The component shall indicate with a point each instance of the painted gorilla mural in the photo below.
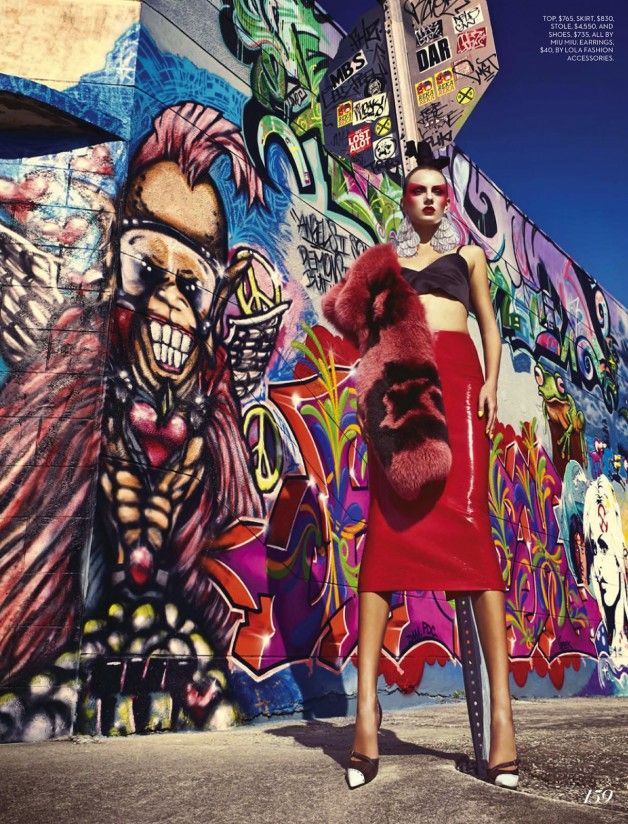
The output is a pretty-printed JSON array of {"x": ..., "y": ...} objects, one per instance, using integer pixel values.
[{"x": 175, "y": 472}]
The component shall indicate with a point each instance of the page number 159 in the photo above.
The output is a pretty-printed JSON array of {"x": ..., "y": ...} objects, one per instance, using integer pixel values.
[{"x": 597, "y": 796}]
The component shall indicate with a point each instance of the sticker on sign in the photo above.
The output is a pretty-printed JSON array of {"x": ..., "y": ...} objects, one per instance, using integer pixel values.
[
  {"x": 384, "y": 148},
  {"x": 344, "y": 114},
  {"x": 370, "y": 108},
  {"x": 433, "y": 54},
  {"x": 425, "y": 91},
  {"x": 359, "y": 140},
  {"x": 347, "y": 70}
]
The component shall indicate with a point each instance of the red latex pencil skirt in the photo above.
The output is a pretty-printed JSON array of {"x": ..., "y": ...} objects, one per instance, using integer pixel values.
[{"x": 443, "y": 541}]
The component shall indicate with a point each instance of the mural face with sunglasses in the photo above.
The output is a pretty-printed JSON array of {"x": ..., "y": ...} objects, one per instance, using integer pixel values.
[
  {"x": 175, "y": 448},
  {"x": 179, "y": 292}
]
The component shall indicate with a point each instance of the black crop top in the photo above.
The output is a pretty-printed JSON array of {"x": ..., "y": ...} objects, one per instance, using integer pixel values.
[{"x": 449, "y": 274}]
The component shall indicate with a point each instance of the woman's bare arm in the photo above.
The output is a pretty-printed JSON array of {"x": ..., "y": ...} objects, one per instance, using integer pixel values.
[{"x": 491, "y": 339}]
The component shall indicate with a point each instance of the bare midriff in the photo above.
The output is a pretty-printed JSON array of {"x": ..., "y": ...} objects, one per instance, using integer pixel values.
[{"x": 444, "y": 314}]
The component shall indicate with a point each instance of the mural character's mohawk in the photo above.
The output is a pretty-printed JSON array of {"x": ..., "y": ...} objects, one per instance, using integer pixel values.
[{"x": 193, "y": 136}]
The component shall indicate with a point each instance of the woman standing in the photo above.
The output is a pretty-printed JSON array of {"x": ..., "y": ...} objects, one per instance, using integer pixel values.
[{"x": 443, "y": 540}]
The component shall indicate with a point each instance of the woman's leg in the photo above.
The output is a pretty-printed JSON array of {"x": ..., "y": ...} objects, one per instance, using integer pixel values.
[
  {"x": 490, "y": 617},
  {"x": 372, "y": 617}
]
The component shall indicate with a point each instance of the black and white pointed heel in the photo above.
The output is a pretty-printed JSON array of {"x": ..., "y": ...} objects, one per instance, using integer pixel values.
[
  {"x": 503, "y": 777},
  {"x": 364, "y": 772}
]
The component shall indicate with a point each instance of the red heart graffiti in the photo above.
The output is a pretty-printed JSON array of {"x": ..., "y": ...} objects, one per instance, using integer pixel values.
[{"x": 159, "y": 442}]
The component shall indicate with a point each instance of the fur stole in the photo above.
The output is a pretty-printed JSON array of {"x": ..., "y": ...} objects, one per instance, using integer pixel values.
[{"x": 397, "y": 383}]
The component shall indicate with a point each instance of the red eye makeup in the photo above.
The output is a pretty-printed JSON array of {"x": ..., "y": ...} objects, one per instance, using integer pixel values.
[{"x": 415, "y": 191}]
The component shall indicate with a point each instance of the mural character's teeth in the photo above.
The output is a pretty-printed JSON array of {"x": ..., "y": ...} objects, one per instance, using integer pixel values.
[
  {"x": 155, "y": 330},
  {"x": 11, "y": 305},
  {"x": 167, "y": 331},
  {"x": 164, "y": 353},
  {"x": 156, "y": 350},
  {"x": 176, "y": 339},
  {"x": 177, "y": 358},
  {"x": 170, "y": 355},
  {"x": 186, "y": 343}
]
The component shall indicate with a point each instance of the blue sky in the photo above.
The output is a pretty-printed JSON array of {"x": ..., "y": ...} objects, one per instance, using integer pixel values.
[{"x": 552, "y": 134}]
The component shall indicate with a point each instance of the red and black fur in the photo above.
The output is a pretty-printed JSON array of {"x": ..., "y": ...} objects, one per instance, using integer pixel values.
[{"x": 398, "y": 386}]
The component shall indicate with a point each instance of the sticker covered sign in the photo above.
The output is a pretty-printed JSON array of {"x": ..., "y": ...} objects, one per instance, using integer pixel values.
[
  {"x": 451, "y": 61},
  {"x": 357, "y": 104}
]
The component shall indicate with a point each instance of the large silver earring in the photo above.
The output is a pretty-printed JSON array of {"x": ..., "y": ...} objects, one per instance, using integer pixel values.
[
  {"x": 445, "y": 237},
  {"x": 406, "y": 240}
]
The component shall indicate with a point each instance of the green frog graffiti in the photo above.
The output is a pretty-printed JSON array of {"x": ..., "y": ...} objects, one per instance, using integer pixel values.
[{"x": 566, "y": 422}]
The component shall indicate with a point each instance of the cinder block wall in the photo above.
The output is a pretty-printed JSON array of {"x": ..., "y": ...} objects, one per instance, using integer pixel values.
[{"x": 184, "y": 487}]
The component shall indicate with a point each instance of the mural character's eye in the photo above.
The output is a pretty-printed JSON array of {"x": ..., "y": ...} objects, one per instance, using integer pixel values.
[
  {"x": 601, "y": 311},
  {"x": 139, "y": 273},
  {"x": 152, "y": 273},
  {"x": 538, "y": 375},
  {"x": 560, "y": 385},
  {"x": 191, "y": 289}
]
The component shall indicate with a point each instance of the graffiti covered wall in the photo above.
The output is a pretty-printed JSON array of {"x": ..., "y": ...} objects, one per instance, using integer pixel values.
[{"x": 184, "y": 482}]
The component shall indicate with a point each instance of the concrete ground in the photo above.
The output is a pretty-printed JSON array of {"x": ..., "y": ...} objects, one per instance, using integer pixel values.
[{"x": 292, "y": 771}]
